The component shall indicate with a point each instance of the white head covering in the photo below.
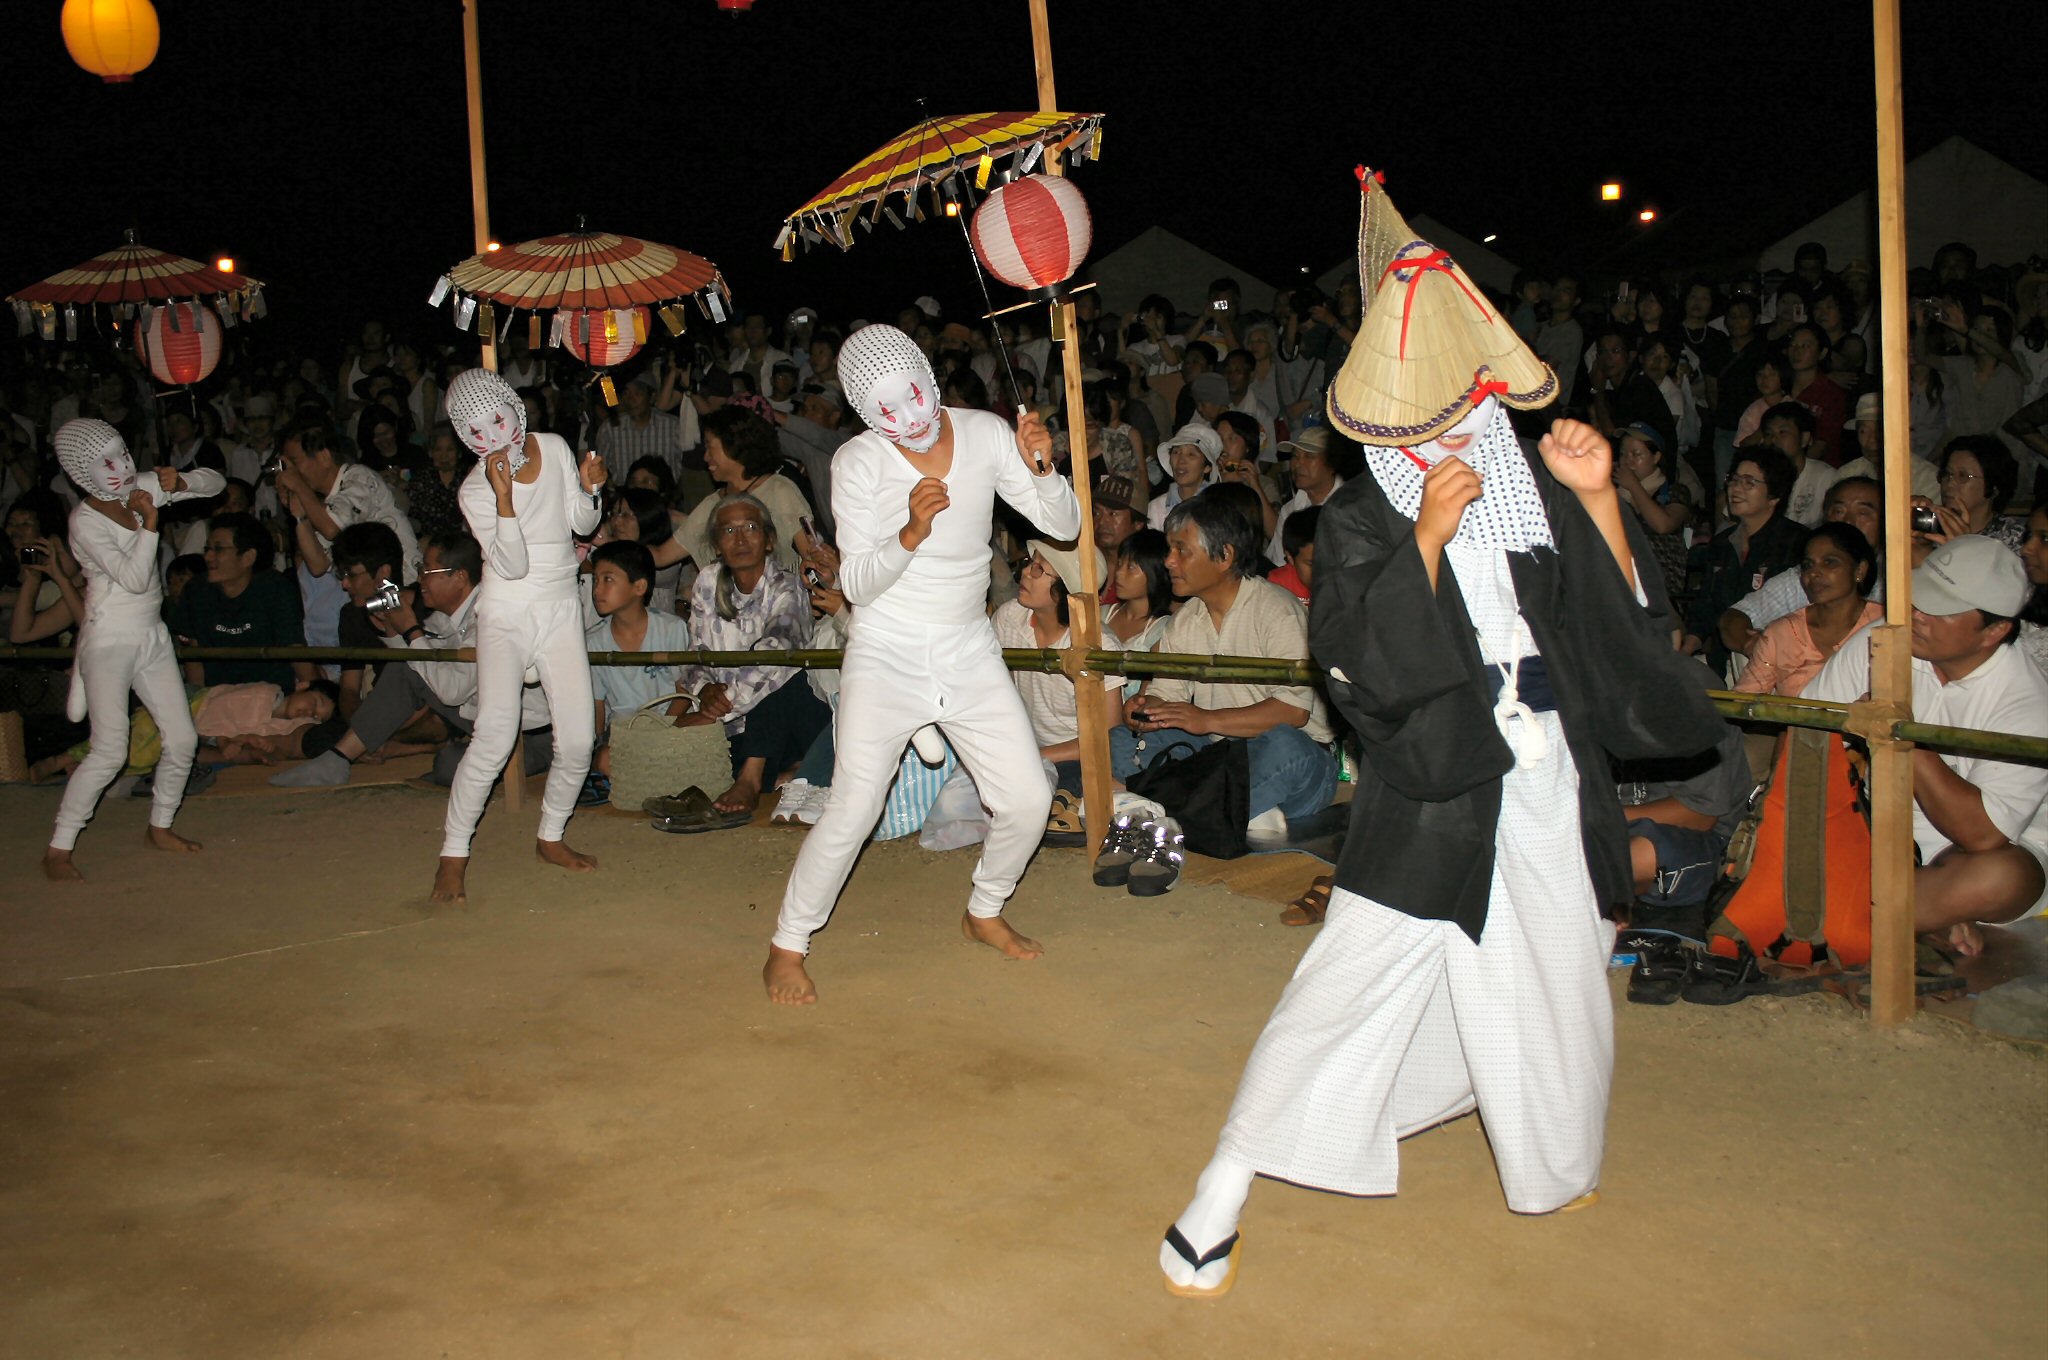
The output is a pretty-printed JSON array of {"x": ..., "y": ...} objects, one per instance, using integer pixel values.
[
  {"x": 889, "y": 381},
  {"x": 93, "y": 454},
  {"x": 1195, "y": 434},
  {"x": 487, "y": 414},
  {"x": 1509, "y": 513}
]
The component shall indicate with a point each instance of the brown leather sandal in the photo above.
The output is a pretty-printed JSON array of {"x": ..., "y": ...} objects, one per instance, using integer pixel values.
[{"x": 1309, "y": 908}]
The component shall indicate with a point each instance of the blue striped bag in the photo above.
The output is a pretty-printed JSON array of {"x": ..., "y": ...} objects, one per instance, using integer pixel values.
[{"x": 912, "y": 795}]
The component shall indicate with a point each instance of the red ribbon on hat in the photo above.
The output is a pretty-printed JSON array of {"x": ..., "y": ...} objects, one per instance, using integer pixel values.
[
  {"x": 1437, "y": 261},
  {"x": 1492, "y": 387}
]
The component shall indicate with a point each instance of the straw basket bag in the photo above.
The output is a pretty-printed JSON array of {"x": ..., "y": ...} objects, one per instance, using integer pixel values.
[{"x": 652, "y": 757}]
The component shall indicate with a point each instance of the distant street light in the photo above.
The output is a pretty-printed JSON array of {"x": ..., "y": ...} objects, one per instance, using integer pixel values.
[
  {"x": 1647, "y": 216},
  {"x": 225, "y": 264},
  {"x": 1490, "y": 238},
  {"x": 1610, "y": 192}
]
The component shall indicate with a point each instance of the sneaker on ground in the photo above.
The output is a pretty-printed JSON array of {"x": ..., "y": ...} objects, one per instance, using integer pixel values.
[
  {"x": 813, "y": 807},
  {"x": 1157, "y": 869},
  {"x": 1127, "y": 838},
  {"x": 794, "y": 795}
]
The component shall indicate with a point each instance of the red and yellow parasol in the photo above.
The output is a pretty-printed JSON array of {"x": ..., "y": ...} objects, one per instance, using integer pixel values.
[
  {"x": 930, "y": 156},
  {"x": 128, "y": 279}
]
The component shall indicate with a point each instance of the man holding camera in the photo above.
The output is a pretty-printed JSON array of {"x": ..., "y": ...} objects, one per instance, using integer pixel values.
[{"x": 325, "y": 493}]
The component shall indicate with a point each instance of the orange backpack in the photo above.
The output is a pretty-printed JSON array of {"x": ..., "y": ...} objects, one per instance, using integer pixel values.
[{"x": 1806, "y": 895}]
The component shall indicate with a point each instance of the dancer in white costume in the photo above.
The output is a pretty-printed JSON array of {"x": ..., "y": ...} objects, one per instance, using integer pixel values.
[
  {"x": 525, "y": 502},
  {"x": 123, "y": 643},
  {"x": 1485, "y": 630},
  {"x": 913, "y": 499}
]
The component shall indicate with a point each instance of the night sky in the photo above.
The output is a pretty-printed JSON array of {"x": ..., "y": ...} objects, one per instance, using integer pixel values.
[{"x": 323, "y": 143}]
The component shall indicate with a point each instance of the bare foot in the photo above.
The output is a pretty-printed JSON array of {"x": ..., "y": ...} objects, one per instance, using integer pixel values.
[
  {"x": 788, "y": 983},
  {"x": 743, "y": 796},
  {"x": 558, "y": 852},
  {"x": 995, "y": 932},
  {"x": 58, "y": 868},
  {"x": 448, "y": 879},
  {"x": 163, "y": 838},
  {"x": 1966, "y": 939}
]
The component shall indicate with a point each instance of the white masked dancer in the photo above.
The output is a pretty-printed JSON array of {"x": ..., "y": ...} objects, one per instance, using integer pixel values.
[
  {"x": 525, "y": 501},
  {"x": 913, "y": 497},
  {"x": 123, "y": 643}
]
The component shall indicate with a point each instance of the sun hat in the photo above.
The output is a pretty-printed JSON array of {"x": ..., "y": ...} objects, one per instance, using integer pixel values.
[
  {"x": 1195, "y": 433},
  {"x": 1313, "y": 440},
  {"x": 1869, "y": 407},
  {"x": 1067, "y": 562},
  {"x": 1430, "y": 346},
  {"x": 1970, "y": 572}
]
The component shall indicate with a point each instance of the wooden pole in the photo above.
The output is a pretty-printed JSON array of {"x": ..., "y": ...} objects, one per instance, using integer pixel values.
[
  {"x": 1091, "y": 712},
  {"x": 480, "y": 216},
  {"x": 1891, "y": 653}
]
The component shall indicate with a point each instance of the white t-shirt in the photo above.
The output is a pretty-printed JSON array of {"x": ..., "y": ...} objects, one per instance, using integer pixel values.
[
  {"x": 1809, "y": 493},
  {"x": 1048, "y": 696},
  {"x": 359, "y": 496}
]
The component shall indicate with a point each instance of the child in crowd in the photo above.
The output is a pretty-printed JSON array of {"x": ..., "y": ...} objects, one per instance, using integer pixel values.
[
  {"x": 1298, "y": 542},
  {"x": 244, "y": 722},
  {"x": 622, "y": 574}
]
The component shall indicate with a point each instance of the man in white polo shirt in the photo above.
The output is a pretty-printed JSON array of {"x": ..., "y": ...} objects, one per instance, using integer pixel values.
[{"x": 1981, "y": 824}]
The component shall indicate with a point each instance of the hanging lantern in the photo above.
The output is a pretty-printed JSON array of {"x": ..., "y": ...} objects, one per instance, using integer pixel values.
[
  {"x": 735, "y": 6},
  {"x": 113, "y": 39},
  {"x": 1033, "y": 233},
  {"x": 180, "y": 342},
  {"x": 604, "y": 339}
]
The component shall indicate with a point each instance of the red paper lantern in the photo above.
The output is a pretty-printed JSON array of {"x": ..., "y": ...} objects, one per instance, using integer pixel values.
[
  {"x": 184, "y": 354},
  {"x": 1033, "y": 232},
  {"x": 735, "y": 6},
  {"x": 612, "y": 336}
]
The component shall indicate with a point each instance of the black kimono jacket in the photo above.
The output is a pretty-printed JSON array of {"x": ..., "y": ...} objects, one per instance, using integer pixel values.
[{"x": 1404, "y": 669}]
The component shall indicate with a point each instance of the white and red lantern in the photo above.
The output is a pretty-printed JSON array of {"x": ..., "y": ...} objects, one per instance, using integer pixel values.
[
  {"x": 605, "y": 338},
  {"x": 1033, "y": 233},
  {"x": 180, "y": 342}
]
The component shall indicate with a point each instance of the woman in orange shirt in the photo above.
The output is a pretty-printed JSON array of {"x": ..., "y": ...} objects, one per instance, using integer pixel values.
[{"x": 1838, "y": 567}]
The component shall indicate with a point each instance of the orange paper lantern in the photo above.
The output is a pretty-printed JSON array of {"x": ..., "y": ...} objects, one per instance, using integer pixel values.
[
  {"x": 603, "y": 339},
  {"x": 180, "y": 343},
  {"x": 113, "y": 39}
]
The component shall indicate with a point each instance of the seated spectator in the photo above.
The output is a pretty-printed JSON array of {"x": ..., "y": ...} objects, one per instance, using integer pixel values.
[
  {"x": 1239, "y": 367},
  {"x": 1653, "y": 487},
  {"x": 1189, "y": 455},
  {"x": 1773, "y": 386},
  {"x": 325, "y": 493},
  {"x": 1977, "y": 477},
  {"x": 1869, "y": 429},
  {"x": 1854, "y": 501},
  {"x": 431, "y": 494},
  {"x": 365, "y": 556},
  {"x": 1663, "y": 359},
  {"x": 420, "y": 705},
  {"x": 1680, "y": 815},
  {"x": 1980, "y": 824},
  {"x": 1789, "y": 428},
  {"x": 636, "y": 430},
  {"x": 1038, "y": 617},
  {"x": 241, "y": 603},
  {"x": 1240, "y": 465},
  {"x": 622, "y": 577},
  {"x": 1758, "y": 543},
  {"x": 240, "y": 722},
  {"x": 743, "y": 458},
  {"x": 749, "y": 600},
  {"x": 1319, "y": 461},
  {"x": 1230, "y": 612},
  {"x": 1298, "y": 547},
  {"x": 46, "y": 595},
  {"x": 653, "y": 474},
  {"x": 1116, "y": 519},
  {"x": 1620, "y": 394},
  {"x": 1144, "y": 597},
  {"x": 1837, "y": 572},
  {"x": 178, "y": 578},
  {"x": 641, "y": 516},
  {"x": 1807, "y": 350},
  {"x": 2034, "y": 619}
]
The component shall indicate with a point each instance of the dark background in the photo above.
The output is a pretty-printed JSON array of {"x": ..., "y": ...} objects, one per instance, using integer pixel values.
[{"x": 323, "y": 144}]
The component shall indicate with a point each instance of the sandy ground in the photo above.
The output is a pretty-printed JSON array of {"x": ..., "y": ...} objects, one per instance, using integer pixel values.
[{"x": 264, "y": 1102}]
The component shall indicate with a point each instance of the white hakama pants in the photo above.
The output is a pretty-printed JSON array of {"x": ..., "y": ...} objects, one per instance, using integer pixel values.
[{"x": 1393, "y": 1025}]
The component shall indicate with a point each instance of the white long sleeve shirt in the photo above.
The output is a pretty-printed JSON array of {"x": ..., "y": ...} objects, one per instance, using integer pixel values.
[
  {"x": 121, "y": 581},
  {"x": 532, "y": 555},
  {"x": 945, "y": 581}
]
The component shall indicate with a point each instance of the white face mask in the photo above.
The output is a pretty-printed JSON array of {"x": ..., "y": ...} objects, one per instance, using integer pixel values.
[
  {"x": 889, "y": 381},
  {"x": 1461, "y": 439},
  {"x": 487, "y": 414},
  {"x": 93, "y": 454}
]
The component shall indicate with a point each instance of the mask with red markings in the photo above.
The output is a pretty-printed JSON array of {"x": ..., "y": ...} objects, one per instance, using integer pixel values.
[
  {"x": 487, "y": 415},
  {"x": 888, "y": 379},
  {"x": 93, "y": 454}
]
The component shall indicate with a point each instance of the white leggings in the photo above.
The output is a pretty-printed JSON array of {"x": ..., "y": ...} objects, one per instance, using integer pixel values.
[
  {"x": 547, "y": 635},
  {"x": 891, "y": 684},
  {"x": 113, "y": 661}
]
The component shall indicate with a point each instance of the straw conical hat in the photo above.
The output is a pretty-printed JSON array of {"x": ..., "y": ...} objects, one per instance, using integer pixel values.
[{"x": 1430, "y": 346}]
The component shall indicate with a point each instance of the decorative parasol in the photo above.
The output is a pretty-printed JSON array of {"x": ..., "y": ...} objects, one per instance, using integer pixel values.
[
  {"x": 600, "y": 287},
  {"x": 933, "y": 154},
  {"x": 133, "y": 280}
]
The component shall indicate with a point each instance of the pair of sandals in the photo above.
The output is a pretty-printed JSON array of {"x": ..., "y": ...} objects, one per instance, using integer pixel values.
[{"x": 692, "y": 811}]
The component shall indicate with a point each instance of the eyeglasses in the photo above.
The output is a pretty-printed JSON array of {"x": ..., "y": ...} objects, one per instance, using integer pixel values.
[
  {"x": 1746, "y": 482},
  {"x": 437, "y": 571},
  {"x": 735, "y": 530},
  {"x": 1962, "y": 477}
]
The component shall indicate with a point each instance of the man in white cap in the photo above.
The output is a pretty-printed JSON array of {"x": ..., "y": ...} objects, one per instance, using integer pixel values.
[
  {"x": 525, "y": 502},
  {"x": 1485, "y": 629},
  {"x": 122, "y": 643},
  {"x": 1869, "y": 428},
  {"x": 1980, "y": 823},
  {"x": 913, "y": 497}
]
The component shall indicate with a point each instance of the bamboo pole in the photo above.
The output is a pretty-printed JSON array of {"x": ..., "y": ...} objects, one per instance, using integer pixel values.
[
  {"x": 480, "y": 221},
  {"x": 1091, "y": 713},
  {"x": 1891, "y": 656}
]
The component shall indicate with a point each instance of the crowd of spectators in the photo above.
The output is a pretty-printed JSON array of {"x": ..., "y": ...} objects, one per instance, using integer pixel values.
[{"x": 1743, "y": 411}]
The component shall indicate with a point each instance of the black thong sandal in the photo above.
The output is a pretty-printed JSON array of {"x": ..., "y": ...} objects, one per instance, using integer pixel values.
[
  {"x": 1231, "y": 1247},
  {"x": 691, "y": 811}
]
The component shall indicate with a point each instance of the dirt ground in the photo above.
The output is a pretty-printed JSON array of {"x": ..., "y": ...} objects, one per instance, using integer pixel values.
[{"x": 264, "y": 1102}]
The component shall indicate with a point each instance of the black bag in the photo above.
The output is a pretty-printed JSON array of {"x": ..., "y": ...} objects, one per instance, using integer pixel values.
[{"x": 1208, "y": 792}]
